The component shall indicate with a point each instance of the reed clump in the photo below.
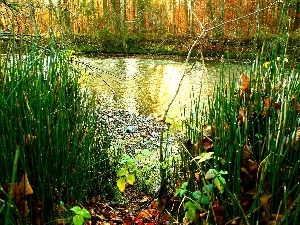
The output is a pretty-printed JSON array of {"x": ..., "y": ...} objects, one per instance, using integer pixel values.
[
  {"x": 240, "y": 159},
  {"x": 53, "y": 150}
]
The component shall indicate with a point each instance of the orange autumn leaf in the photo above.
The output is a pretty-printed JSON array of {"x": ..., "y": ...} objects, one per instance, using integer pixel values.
[
  {"x": 197, "y": 176},
  {"x": 145, "y": 214},
  {"x": 244, "y": 82},
  {"x": 19, "y": 193},
  {"x": 242, "y": 115},
  {"x": 24, "y": 186},
  {"x": 267, "y": 105}
]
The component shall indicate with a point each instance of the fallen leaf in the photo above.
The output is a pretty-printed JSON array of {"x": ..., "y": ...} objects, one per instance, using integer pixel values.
[
  {"x": 145, "y": 214},
  {"x": 242, "y": 115},
  {"x": 253, "y": 166},
  {"x": 264, "y": 199},
  {"x": 244, "y": 82},
  {"x": 24, "y": 186},
  {"x": 243, "y": 169},
  {"x": 128, "y": 221},
  {"x": 247, "y": 152},
  {"x": 267, "y": 105}
]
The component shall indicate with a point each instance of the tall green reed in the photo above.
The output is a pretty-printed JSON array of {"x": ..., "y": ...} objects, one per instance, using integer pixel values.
[
  {"x": 253, "y": 123},
  {"x": 51, "y": 118}
]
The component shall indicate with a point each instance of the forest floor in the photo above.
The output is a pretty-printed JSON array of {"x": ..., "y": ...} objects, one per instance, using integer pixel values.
[{"x": 131, "y": 132}]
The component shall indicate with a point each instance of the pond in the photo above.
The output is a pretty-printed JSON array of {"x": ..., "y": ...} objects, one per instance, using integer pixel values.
[{"x": 147, "y": 85}]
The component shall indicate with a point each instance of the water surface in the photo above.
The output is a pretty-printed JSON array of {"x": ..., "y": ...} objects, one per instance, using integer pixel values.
[{"x": 146, "y": 86}]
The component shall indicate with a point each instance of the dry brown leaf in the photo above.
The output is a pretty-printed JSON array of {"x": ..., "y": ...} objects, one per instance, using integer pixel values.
[
  {"x": 252, "y": 166},
  {"x": 276, "y": 216},
  {"x": 145, "y": 214},
  {"x": 243, "y": 169},
  {"x": 207, "y": 144},
  {"x": 197, "y": 176},
  {"x": 267, "y": 105},
  {"x": 29, "y": 138},
  {"x": 244, "y": 82},
  {"x": 296, "y": 138},
  {"x": 24, "y": 186},
  {"x": 128, "y": 221},
  {"x": 247, "y": 152},
  {"x": 242, "y": 115},
  {"x": 264, "y": 199},
  {"x": 279, "y": 85}
]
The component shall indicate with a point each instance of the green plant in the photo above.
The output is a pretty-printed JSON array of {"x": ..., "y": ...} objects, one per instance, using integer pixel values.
[
  {"x": 80, "y": 215},
  {"x": 126, "y": 173},
  {"x": 47, "y": 114},
  {"x": 253, "y": 126},
  {"x": 195, "y": 201}
]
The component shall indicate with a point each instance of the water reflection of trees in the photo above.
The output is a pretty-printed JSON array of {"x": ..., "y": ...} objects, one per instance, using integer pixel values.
[{"x": 148, "y": 91}]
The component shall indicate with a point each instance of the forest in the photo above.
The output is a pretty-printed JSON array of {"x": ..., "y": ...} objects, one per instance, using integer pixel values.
[
  {"x": 143, "y": 26},
  {"x": 149, "y": 112}
]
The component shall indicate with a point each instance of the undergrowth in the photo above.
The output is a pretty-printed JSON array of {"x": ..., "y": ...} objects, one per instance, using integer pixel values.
[
  {"x": 52, "y": 149},
  {"x": 240, "y": 157}
]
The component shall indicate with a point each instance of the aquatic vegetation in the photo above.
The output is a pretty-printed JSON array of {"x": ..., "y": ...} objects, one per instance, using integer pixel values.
[
  {"x": 48, "y": 135},
  {"x": 250, "y": 128}
]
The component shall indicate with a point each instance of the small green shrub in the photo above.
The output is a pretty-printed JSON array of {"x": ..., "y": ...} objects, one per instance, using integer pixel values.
[{"x": 81, "y": 215}]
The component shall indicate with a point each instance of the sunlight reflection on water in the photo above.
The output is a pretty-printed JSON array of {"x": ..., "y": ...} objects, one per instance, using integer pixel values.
[{"x": 146, "y": 86}]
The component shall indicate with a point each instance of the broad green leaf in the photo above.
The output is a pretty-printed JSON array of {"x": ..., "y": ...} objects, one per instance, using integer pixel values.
[
  {"x": 204, "y": 156},
  {"x": 62, "y": 205},
  {"x": 76, "y": 209},
  {"x": 182, "y": 192},
  {"x": 184, "y": 185},
  {"x": 196, "y": 194},
  {"x": 146, "y": 152},
  {"x": 223, "y": 161},
  {"x": 208, "y": 188},
  {"x": 211, "y": 173},
  {"x": 130, "y": 179},
  {"x": 86, "y": 214},
  {"x": 220, "y": 182},
  {"x": 78, "y": 220},
  {"x": 204, "y": 200},
  {"x": 223, "y": 172},
  {"x": 190, "y": 214},
  {"x": 121, "y": 184},
  {"x": 192, "y": 205},
  {"x": 122, "y": 172},
  {"x": 177, "y": 191},
  {"x": 126, "y": 159}
]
